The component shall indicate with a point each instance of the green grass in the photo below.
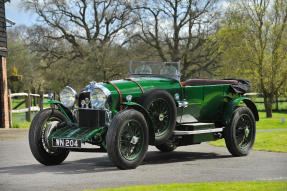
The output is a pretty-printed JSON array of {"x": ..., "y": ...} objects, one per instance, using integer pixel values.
[
  {"x": 216, "y": 186},
  {"x": 272, "y": 123},
  {"x": 24, "y": 124},
  {"x": 275, "y": 141},
  {"x": 260, "y": 106}
]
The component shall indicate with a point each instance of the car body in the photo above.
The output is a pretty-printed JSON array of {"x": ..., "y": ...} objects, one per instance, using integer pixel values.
[{"x": 151, "y": 107}]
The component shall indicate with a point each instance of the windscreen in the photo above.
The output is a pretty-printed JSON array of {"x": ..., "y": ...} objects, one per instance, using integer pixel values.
[{"x": 164, "y": 69}]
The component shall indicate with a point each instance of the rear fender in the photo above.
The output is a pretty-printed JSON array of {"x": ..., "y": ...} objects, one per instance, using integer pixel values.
[
  {"x": 233, "y": 103},
  {"x": 69, "y": 115},
  {"x": 138, "y": 107}
]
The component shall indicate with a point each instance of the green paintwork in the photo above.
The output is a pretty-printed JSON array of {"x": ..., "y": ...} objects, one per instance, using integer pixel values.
[
  {"x": 74, "y": 132},
  {"x": 208, "y": 103},
  {"x": 230, "y": 107},
  {"x": 128, "y": 87},
  {"x": 60, "y": 105}
]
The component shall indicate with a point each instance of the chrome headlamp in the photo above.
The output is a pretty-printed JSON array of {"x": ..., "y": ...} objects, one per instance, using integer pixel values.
[
  {"x": 99, "y": 96},
  {"x": 68, "y": 97}
]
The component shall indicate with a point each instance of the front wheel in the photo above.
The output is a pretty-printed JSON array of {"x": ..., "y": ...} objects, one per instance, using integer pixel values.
[
  {"x": 240, "y": 134},
  {"x": 41, "y": 127},
  {"x": 127, "y": 139}
]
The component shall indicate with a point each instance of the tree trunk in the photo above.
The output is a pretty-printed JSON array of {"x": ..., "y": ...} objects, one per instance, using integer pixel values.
[
  {"x": 277, "y": 104},
  {"x": 268, "y": 100}
]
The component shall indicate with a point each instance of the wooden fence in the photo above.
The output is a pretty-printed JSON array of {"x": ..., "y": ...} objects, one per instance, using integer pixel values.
[{"x": 33, "y": 102}]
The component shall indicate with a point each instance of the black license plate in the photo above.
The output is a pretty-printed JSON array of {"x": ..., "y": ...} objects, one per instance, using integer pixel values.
[{"x": 66, "y": 143}]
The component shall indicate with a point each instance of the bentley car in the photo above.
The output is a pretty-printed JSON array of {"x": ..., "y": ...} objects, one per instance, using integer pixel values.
[{"x": 151, "y": 107}]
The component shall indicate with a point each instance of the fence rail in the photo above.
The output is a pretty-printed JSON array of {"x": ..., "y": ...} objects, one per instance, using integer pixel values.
[{"x": 33, "y": 102}]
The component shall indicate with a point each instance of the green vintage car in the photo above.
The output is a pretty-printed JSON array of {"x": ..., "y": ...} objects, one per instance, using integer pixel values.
[{"x": 151, "y": 107}]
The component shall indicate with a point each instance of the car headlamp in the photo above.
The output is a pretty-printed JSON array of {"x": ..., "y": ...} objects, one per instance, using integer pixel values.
[
  {"x": 98, "y": 98},
  {"x": 68, "y": 97}
]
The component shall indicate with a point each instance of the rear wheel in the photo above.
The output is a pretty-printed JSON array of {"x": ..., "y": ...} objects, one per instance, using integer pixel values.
[
  {"x": 41, "y": 127},
  {"x": 240, "y": 134},
  {"x": 127, "y": 139},
  {"x": 162, "y": 109}
]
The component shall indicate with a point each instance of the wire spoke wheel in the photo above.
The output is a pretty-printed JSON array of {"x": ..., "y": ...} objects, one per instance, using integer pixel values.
[
  {"x": 131, "y": 140},
  {"x": 244, "y": 131},
  {"x": 160, "y": 112},
  {"x": 240, "y": 134}
]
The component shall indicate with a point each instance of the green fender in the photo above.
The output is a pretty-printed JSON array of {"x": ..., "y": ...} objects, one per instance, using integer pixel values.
[
  {"x": 233, "y": 103},
  {"x": 63, "y": 109},
  {"x": 138, "y": 107}
]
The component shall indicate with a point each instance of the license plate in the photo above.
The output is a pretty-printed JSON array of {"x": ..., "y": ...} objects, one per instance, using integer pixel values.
[{"x": 66, "y": 143}]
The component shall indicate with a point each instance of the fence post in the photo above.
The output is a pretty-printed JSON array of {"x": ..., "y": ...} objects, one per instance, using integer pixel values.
[
  {"x": 10, "y": 108},
  {"x": 28, "y": 105},
  {"x": 41, "y": 99}
]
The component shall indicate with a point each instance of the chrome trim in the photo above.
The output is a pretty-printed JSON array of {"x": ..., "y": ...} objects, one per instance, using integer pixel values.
[
  {"x": 182, "y": 104},
  {"x": 198, "y": 131},
  {"x": 93, "y": 85},
  {"x": 75, "y": 94},
  {"x": 176, "y": 96}
]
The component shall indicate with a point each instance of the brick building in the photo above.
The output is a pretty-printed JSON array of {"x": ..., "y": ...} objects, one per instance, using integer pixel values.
[{"x": 4, "y": 115}]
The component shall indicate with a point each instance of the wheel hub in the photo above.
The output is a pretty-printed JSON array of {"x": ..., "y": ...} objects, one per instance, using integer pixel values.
[
  {"x": 134, "y": 140},
  {"x": 161, "y": 117},
  {"x": 246, "y": 132}
]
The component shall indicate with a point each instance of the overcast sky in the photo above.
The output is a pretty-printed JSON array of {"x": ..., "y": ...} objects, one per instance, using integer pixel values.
[{"x": 16, "y": 13}]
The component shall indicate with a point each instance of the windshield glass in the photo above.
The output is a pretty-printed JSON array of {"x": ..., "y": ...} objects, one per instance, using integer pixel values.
[{"x": 165, "y": 69}]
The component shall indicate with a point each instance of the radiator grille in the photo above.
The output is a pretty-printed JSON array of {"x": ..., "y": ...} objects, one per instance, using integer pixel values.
[{"x": 92, "y": 118}]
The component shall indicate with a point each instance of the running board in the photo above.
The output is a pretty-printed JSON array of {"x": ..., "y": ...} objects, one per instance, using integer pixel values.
[{"x": 216, "y": 130}]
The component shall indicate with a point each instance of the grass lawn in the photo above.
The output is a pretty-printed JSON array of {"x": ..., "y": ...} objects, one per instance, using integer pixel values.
[
  {"x": 272, "y": 123},
  {"x": 275, "y": 141},
  {"x": 216, "y": 186}
]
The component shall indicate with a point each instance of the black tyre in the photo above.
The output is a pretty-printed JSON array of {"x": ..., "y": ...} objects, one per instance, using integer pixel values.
[
  {"x": 161, "y": 106},
  {"x": 127, "y": 139},
  {"x": 168, "y": 146},
  {"x": 240, "y": 134},
  {"x": 40, "y": 129}
]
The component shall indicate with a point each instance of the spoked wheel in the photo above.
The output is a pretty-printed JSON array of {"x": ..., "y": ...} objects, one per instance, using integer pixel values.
[
  {"x": 131, "y": 140},
  {"x": 160, "y": 113},
  {"x": 240, "y": 135},
  {"x": 127, "y": 139},
  {"x": 42, "y": 126},
  {"x": 162, "y": 109}
]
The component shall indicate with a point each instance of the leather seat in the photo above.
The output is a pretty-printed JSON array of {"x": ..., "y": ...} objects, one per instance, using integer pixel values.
[{"x": 202, "y": 82}]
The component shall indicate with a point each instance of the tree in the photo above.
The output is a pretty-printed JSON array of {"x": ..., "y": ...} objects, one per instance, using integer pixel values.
[
  {"x": 20, "y": 60},
  {"x": 259, "y": 43},
  {"x": 79, "y": 31},
  {"x": 179, "y": 30}
]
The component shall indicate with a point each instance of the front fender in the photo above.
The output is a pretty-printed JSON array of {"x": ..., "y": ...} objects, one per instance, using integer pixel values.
[
  {"x": 140, "y": 108},
  {"x": 233, "y": 103},
  {"x": 63, "y": 109}
]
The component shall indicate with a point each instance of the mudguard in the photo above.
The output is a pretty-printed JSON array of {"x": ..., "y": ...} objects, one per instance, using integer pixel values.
[
  {"x": 63, "y": 109},
  {"x": 138, "y": 107},
  {"x": 233, "y": 103}
]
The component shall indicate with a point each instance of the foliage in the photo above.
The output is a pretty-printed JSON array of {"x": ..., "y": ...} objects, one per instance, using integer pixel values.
[
  {"x": 25, "y": 124},
  {"x": 253, "y": 42},
  {"x": 274, "y": 141},
  {"x": 179, "y": 31},
  {"x": 215, "y": 186}
]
